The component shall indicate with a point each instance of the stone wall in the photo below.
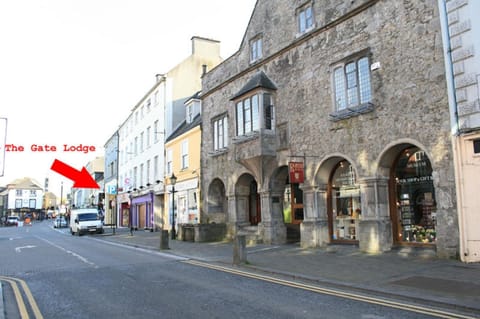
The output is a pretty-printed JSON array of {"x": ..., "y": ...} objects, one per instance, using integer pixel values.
[{"x": 402, "y": 40}]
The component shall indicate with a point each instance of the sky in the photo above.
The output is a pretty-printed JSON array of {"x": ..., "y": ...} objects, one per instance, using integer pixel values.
[{"x": 71, "y": 70}]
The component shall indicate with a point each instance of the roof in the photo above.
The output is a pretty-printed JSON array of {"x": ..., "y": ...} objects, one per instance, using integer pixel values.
[
  {"x": 259, "y": 80},
  {"x": 24, "y": 183},
  {"x": 185, "y": 127}
]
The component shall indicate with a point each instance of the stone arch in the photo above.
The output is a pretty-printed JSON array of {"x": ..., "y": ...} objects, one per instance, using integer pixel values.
[
  {"x": 217, "y": 206},
  {"x": 248, "y": 206},
  {"x": 411, "y": 192},
  {"x": 326, "y": 166}
]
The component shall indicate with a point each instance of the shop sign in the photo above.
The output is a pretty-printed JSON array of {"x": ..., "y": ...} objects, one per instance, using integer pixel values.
[{"x": 296, "y": 172}]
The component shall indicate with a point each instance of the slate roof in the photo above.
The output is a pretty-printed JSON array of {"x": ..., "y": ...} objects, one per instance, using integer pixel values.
[
  {"x": 185, "y": 127},
  {"x": 259, "y": 80}
]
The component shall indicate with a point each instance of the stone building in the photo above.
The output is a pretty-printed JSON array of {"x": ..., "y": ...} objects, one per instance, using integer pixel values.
[{"x": 331, "y": 124}]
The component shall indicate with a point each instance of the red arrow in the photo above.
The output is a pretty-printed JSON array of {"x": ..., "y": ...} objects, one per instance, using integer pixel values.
[{"x": 81, "y": 179}]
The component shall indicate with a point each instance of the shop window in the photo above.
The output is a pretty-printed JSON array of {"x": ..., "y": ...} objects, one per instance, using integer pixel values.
[
  {"x": 344, "y": 216},
  {"x": 415, "y": 215}
]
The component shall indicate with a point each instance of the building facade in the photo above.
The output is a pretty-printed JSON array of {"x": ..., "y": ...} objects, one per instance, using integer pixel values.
[
  {"x": 183, "y": 161},
  {"x": 24, "y": 197},
  {"x": 142, "y": 137},
  {"x": 331, "y": 125},
  {"x": 461, "y": 38},
  {"x": 111, "y": 179}
]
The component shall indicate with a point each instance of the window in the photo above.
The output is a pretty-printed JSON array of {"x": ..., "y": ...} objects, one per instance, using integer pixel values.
[
  {"x": 141, "y": 174},
  {"x": 256, "y": 50},
  {"x": 18, "y": 192},
  {"x": 155, "y": 131},
  {"x": 136, "y": 146},
  {"x": 33, "y": 193},
  {"x": 169, "y": 162},
  {"x": 141, "y": 142},
  {"x": 148, "y": 136},
  {"x": 189, "y": 113},
  {"x": 352, "y": 84},
  {"x": 251, "y": 110},
  {"x": 148, "y": 172},
  {"x": 220, "y": 133},
  {"x": 18, "y": 203},
  {"x": 476, "y": 146},
  {"x": 32, "y": 203},
  {"x": 155, "y": 168},
  {"x": 185, "y": 154},
  {"x": 305, "y": 18}
]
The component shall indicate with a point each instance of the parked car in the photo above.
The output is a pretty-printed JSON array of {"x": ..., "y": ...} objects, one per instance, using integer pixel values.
[
  {"x": 12, "y": 221},
  {"x": 60, "y": 222},
  {"x": 84, "y": 221}
]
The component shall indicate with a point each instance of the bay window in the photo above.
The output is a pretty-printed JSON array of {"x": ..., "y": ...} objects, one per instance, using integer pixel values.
[{"x": 254, "y": 113}]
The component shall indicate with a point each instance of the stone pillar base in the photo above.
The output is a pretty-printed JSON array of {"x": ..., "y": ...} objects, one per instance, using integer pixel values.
[
  {"x": 314, "y": 234},
  {"x": 375, "y": 236},
  {"x": 273, "y": 233}
]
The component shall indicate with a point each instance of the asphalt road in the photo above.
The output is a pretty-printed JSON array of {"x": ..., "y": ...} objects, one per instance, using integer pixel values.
[{"x": 79, "y": 277}]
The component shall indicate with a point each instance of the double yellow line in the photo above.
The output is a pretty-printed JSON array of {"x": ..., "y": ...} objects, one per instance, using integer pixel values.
[
  {"x": 332, "y": 292},
  {"x": 22, "y": 308}
]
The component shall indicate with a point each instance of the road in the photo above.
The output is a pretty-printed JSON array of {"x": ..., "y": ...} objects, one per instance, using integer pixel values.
[{"x": 83, "y": 277}]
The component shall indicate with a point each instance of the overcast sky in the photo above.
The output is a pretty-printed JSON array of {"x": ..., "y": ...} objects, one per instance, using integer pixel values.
[{"x": 71, "y": 70}]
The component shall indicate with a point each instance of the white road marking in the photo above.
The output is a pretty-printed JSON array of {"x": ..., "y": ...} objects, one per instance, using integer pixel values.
[
  {"x": 19, "y": 249},
  {"x": 81, "y": 258}
]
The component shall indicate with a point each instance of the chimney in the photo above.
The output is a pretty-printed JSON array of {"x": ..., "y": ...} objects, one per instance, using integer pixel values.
[
  {"x": 204, "y": 69},
  {"x": 160, "y": 77}
]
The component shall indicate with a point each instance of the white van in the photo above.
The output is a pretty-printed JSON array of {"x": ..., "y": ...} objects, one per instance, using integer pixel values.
[{"x": 83, "y": 221}]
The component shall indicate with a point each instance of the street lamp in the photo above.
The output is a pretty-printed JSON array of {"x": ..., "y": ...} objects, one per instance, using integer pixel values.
[{"x": 173, "y": 181}]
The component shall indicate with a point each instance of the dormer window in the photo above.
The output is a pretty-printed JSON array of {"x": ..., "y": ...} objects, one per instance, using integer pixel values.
[
  {"x": 256, "y": 49},
  {"x": 305, "y": 18},
  {"x": 192, "y": 108}
]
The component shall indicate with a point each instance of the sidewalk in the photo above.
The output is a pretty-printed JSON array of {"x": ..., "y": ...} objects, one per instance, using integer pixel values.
[{"x": 411, "y": 274}]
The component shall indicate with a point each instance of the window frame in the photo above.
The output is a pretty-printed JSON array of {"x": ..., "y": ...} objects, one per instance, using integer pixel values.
[
  {"x": 256, "y": 49},
  {"x": 252, "y": 115},
  {"x": 352, "y": 88},
  {"x": 220, "y": 132},
  {"x": 184, "y": 154},
  {"x": 305, "y": 23}
]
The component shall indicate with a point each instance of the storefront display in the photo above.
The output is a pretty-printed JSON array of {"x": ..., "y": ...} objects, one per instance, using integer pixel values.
[
  {"x": 345, "y": 202},
  {"x": 416, "y": 209}
]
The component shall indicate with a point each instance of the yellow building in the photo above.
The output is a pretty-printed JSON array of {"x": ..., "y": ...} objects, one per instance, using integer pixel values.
[{"x": 182, "y": 150}]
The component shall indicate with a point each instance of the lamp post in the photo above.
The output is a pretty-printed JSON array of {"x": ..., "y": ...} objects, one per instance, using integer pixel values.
[{"x": 173, "y": 181}]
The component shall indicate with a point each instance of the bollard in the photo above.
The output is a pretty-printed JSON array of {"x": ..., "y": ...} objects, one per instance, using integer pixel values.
[
  {"x": 239, "y": 250},
  {"x": 164, "y": 239}
]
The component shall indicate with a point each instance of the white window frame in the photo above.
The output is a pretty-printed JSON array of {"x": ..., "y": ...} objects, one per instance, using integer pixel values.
[
  {"x": 220, "y": 133},
  {"x": 251, "y": 112},
  {"x": 256, "y": 49},
  {"x": 185, "y": 156},
  {"x": 305, "y": 18},
  {"x": 169, "y": 167}
]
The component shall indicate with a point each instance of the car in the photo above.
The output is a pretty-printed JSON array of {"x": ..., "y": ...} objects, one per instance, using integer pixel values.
[
  {"x": 60, "y": 222},
  {"x": 12, "y": 221}
]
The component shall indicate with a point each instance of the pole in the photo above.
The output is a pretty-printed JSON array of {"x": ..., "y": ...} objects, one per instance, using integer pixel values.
[{"x": 174, "y": 235}]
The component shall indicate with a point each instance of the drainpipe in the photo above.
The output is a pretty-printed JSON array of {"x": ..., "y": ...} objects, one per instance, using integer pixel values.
[{"x": 454, "y": 127}]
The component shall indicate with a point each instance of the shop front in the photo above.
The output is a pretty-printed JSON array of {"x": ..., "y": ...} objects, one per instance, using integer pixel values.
[
  {"x": 413, "y": 205},
  {"x": 344, "y": 205},
  {"x": 142, "y": 212}
]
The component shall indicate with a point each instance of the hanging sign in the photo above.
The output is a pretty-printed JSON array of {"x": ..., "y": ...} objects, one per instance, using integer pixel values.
[{"x": 296, "y": 172}]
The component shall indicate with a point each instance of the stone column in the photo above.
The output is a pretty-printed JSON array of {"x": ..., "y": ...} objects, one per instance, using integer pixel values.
[
  {"x": 272, "y": 226},
  {"x": 375, "y": 227},
  {"x": 232, "y": 218},
  {"x": 314, "y": 228}
]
